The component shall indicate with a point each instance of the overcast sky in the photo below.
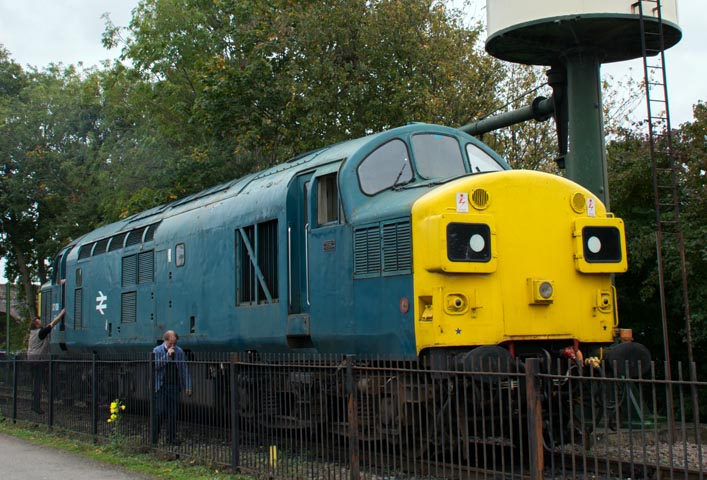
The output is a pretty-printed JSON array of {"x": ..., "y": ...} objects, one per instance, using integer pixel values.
[{"x": 39, "y": 32}]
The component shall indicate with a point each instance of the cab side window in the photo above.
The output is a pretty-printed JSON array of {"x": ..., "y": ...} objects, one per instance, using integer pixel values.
[{"x": 327, "y": 199}]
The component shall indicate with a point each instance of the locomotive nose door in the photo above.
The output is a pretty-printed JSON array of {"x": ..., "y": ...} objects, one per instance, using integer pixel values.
[{"x": 297, "y": 264}]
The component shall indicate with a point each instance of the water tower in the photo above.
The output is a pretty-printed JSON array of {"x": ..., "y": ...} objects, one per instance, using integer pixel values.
[{"x": 573, "y": 38}]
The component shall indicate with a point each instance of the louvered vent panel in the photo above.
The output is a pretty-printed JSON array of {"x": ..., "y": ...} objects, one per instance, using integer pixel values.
[
  {"x": 128, "y": 307},
  {"x": 78, "y": 308},
  {"x": 367, "y": 251},
  {"x": 397, "y": 247},
  {"x": 129, "y": 270},
  {"x": 146, "y": 267}
]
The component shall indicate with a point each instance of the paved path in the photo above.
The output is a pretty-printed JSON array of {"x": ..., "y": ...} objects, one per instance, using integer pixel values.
[{"x": 23, "y": 460}]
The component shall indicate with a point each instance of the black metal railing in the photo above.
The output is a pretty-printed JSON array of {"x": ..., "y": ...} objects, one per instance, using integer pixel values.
[{"x": 306, "y": 416}]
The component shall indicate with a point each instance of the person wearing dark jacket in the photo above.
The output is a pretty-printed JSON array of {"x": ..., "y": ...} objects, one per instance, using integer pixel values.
[
  {"x": 37, "y": 352},
  {"x": 171, "y": 378}
]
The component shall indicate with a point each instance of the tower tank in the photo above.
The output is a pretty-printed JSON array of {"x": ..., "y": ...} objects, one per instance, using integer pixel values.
[
  {"x": 574, "y": 37},
  {"x": 540, "y": 32}
]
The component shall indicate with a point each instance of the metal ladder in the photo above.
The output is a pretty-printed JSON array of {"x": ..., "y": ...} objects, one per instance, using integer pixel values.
[{"x": 663, "y": 165}]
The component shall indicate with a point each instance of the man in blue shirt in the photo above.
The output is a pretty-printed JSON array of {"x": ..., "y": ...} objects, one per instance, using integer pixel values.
[{"x": 171, "y": 377}]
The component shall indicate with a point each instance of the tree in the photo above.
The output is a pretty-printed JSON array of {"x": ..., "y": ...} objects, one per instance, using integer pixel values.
[
  {"x": 250, "y": 83},
  {"x": 632, "y": 199},
  {"x": 48, "y": 147}
]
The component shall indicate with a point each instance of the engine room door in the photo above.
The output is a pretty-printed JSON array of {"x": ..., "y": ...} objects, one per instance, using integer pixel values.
[{"x": 297, "y": 245}]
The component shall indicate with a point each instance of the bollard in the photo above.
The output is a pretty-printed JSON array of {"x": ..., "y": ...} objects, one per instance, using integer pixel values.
[
  {"x": 94, "y": 397},
  {"x": 535, "y": 413},
  {"x": 14, "y": 389},
  {"x": 352, "y": 414},
  {"x": 50, "y": 419},
  {"x": 153, "y": 417},
  {"x": 235, "y": 433}
]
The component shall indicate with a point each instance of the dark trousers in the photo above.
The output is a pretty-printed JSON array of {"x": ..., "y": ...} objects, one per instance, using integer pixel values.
[
  {"x": 167, "y": 409},
  {"x": 39, "y": 379}
]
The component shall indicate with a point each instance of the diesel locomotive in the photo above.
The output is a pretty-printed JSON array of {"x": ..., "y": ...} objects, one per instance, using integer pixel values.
[
  {"x": 415, "y": 242},
  {"x": 418, "y": 243}
]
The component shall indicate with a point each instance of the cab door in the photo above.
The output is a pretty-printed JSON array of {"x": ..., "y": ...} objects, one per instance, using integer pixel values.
[{"x": 297, "y": 258}]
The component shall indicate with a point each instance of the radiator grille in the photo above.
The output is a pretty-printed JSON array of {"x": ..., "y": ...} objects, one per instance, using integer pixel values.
[
  {"x": 146, "y": 267},
  {"x": 128, "y": 307},
  {"x": 78, "y": 308},
  {"x": 367, "y": 251},
  {"x": 129, "y": 270},
  {"x": 397, "y": 247}
]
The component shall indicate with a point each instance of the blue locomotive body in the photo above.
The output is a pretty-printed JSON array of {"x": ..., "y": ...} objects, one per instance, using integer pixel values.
[{"x": 314, "y": 255}]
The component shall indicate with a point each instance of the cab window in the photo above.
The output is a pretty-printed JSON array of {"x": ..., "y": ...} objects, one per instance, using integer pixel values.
[
  {"x": 327, "y": 200},
  {"x": 437, "y": 156},
  {"x": 481, "y": 161},
  {"x": 385, "y": 167}
]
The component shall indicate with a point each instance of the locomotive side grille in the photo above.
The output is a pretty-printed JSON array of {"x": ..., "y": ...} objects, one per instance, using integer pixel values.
[
  {"x": 383, "y": 249},
  {"x": 128, "y": 307},
  {"x": 397, "y": 247},
  {"x": 367, "y": 251},
  {"x": 129, "y": 270},
  {"x": 146, "y": 267},
  {"x": 78, "y": 308}
]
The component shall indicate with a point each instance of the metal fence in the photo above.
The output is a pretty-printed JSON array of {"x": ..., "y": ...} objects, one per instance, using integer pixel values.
[{"x": 317, "y": 417}]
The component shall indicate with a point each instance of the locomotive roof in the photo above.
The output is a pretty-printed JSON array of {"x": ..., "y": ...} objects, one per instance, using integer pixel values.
[{"x": 278, "y": 175}]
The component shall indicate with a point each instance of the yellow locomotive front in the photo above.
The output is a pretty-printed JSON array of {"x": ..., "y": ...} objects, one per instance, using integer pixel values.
[{"x": 518, "y": 259}]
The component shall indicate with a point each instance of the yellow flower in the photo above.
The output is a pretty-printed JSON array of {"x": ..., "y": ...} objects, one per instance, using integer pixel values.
[
  {"x": 122, "y": 407},
  {"x": 109, "y": 420},
  {"x": 113, "y": 416}
]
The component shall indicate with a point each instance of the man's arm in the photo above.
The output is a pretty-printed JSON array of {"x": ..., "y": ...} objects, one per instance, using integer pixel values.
[{"x": 47, "y": 330}]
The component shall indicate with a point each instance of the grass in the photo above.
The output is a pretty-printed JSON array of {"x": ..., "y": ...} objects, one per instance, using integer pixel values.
[{"x": 147, "y": 464}]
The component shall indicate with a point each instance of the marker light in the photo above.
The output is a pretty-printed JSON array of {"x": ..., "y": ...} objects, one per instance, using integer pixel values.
[{"x": 545, "y": 290}]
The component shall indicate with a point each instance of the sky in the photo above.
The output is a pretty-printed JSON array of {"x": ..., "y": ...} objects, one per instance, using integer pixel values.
[{"x": 40, "y": 32}]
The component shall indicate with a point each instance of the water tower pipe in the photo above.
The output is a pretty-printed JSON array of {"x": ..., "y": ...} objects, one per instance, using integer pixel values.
[{"x": 541, "y": 109}]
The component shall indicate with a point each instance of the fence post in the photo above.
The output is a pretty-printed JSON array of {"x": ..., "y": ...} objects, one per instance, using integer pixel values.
[
  {"x": 14, "y": 388},
  {"x": 535, "y": 425},
  {"x": 352, "y": 414},
  {"x": 153, "y": 416},
  {"x": 50, "y": 420},
  {"x": 94, "y": 397},
  {"x": 235, "y": 432}
]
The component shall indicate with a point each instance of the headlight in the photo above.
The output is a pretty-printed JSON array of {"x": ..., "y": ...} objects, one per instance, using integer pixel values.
[
  {"x": 602, "y": 244},
  {"x": 457, "y": 243},
  {"x": 599, "y": 245},
  {"x": 468, "y": 242}
]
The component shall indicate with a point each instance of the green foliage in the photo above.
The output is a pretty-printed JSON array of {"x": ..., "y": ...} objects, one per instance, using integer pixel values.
[
  {"x": 250, "y": 83},
  {"x": 48, "y": 147},
  {"x": 632, "y": 195}
]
